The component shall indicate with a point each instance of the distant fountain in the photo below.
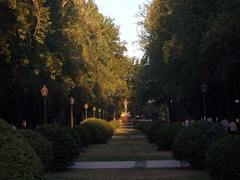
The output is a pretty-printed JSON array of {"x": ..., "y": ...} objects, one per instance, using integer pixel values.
[{"x": 125, "y": 116}]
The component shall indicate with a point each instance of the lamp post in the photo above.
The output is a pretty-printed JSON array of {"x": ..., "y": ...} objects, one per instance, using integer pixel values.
[
  {"x": 72, "y": 101},
  {"x": 237, "y": 101},
  {"x": 204, "y": 90},
  {"x": 44, "y": 93},
  {"x": 99, "y": 113},
  {"x": 86, "y": 109},
  {"x": 94, "y": 111}
]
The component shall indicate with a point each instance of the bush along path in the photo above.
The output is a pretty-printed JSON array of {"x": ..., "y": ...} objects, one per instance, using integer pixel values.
[{"x": 128, "y": 148}]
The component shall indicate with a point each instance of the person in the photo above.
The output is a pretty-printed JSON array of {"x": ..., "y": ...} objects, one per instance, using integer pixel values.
[
  {"x": 224, "y": 123},
  {"x": 233, "y": 127},
  {"x": 238, "y": 124},
  {"x": 24, "y": 124}
]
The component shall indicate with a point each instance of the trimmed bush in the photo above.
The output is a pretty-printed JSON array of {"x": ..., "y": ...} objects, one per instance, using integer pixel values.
[
  {"x": 18, "y": 160},
  {"x": 40, "y": 144},
  {"x": 223, "y": 158},
  {"x": 191, "y": 143},
  {"x": 75, "y": 136},
  {"x": 165, "y": 135},
  {"x": 85, "y": 135},
  {"x": 98, "y": 133},
  {"x": 115, "y": 124},
  {"x": 149, "y": 129},
  {"x": 100, "y": 122},
  {"x": 65, "y": 149}
]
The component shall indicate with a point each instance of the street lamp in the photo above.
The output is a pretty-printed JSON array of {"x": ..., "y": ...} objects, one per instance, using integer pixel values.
[
  {"x": 94, "y": 111},
  {"x": 86, "y": 108},
  {"x": 237, "y": 101},
  {"x": 44, "y": 93},
  {"x": 71, "y": 103},
  {"x": 204, "y": 90},
  {"x": 99, "y": 113}
]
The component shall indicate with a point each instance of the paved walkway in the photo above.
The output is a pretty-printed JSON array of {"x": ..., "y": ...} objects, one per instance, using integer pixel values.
[
  {"x": 128, "y": 164},
  {"x": 128, "y": 148}
]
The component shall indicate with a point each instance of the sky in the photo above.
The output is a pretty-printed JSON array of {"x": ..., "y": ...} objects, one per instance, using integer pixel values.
[{"x": 124, "y": 14}]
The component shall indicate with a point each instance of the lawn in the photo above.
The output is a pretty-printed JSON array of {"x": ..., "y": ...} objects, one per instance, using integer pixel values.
[
  {"x": 130, "y": 174},
  {"x": 126, "y": 144}
]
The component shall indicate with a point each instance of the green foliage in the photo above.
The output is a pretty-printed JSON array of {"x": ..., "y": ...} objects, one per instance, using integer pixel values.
[
  {"x": 102, "y": 123},
  {"x": 191, "y": 143},
  {"x": 115, "y": 124},
  {"x": 75, "y": 135},
  {"x": 65, "y": 149},
  {"x": 40, "y": 144},
  {"x": 149, "y": 129},
  {"x": 84, "y": 134},
  {"x": 67, "y": 45},
  {"x": 198, "y": 41},
  {"x": 223, "y": 159},
  {"x": 18, "y": 159},
  {"x": 98, "y": 132},
  {"x": 166, "y": 134}
]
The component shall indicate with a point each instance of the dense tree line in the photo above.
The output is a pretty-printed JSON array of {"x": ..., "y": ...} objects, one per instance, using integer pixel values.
[
  {"x": 67, "y": 45},
  {"x": 188, "y": 43}
]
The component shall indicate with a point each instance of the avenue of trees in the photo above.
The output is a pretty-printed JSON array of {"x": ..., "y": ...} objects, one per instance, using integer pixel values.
[
  {"x": 67, "y": 45},
  {"x": 188, "y": 43}
]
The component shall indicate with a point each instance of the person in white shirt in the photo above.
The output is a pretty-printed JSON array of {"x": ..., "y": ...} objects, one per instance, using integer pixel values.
[{"x": 233, "y": 127}]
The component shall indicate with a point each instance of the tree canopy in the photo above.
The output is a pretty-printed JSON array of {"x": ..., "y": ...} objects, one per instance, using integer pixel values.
[
  {"x": 67, "y": 45},
  {"x": 187, "y": 43}
]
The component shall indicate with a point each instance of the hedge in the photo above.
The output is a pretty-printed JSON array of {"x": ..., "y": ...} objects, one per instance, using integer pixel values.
[
  {"x": 40, "y": 144},
  {"x": 165, "y": 135},
  {"x": 98, "y": 133},
  {"x": 223, "y": 158},
  {"x": 85, "y": 135},
  {"x": 149, "y": 129},
  {"x": 18, "y": 160},
  {"x": 191, "y": 143},
  {"x": 65, "y": 149},
  {"x": 100, "y": 122},
  {"x": 75, "y": 135},
  {"x": 115, "y": 124}
]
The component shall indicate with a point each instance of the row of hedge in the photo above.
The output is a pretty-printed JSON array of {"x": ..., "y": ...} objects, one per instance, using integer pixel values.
[
  {"x": 202, "y": 145},
  {"x": 160, "y": 132},
  {"x": 26, "y": 154}
]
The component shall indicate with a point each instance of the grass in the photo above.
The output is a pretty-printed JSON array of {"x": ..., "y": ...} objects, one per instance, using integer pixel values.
[
  {"x": 132, "y": 174},
  {"x": 127, "y": 144}
]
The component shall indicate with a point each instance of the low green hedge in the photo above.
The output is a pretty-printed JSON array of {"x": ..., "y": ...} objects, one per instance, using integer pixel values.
[
  {"x": 149, "y": 128},
  {"x": 191, "y": 143},
  {"x": 85, "y": 135},
  {"x": 18, "y": 160},
  {"x": 40, "y": 144},
  {"x": 65, "y": 149},
  {"x": 98, "y": 133},
  {"x": 75, "y": 135},
  {"x": 100, "y": 122},
  {"x": 223, "y": 158},
  {"x": 115, "y": 124},
  {"x": 165, "y": 135}
]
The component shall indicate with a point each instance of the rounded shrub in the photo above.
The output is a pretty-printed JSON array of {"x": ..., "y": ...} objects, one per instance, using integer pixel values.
[
  {"x": 18, "y": 160},
  {"x": 165, "y": 135},
  {"x": 150, "y": 129},
  {"x": 223, "y": 158},
  {"x": 85, "y": 135},
  {"x": 100, "y": 122},
  {"x": 75, "y": 136},
  {"x": 65, "y": 149},
  {"x": 98, "y": 133},
  {"x": 115, "y": 124},
  {"x": 191, "y": 143},
  {"x": 40, "y": 144}
]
